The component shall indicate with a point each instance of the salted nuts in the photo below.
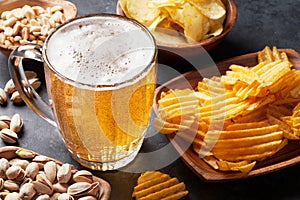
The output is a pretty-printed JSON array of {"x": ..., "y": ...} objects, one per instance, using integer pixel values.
[
  {"x": 11, "y": 89},
  {"x": 26, "y": 179},
  {"x": 9, "y": 127}
]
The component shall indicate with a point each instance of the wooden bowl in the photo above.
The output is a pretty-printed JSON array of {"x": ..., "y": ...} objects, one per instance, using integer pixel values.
[
  {"x": 288, "y": 156},
  {"x": 8, "y": 152},
  {"x": 69, "y": 9},
  {"x": 188, "y": 50}
]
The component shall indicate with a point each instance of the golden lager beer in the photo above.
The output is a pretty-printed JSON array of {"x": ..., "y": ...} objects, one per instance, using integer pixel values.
[{"x": 101, "y": 75}]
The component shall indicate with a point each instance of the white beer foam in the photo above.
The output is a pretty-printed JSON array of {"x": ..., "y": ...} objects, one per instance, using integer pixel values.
[{"x": 100, "y": 50}]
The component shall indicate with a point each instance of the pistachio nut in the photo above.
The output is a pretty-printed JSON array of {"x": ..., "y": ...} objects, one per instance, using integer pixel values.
[
  {"x": 41, "y": 160},
  {"x": 16, "y": 97},
  {"x": 42, "y": 185},
  {"x": 35, "y": 83},
  {"x": 1, "y": 183},
  {"x": 50, "y": 170},
  {"x": 19, "y": 162},
  {"x": 60, "y": 187},
  {"x": 3, "y": 125},
  {"x": 4, "y": 165},
  {"x": 81, "y": 189},
  {"x": 27, "y": 191},
  {"x": 11, "y": 185},
  {"x": 10, "y": 86},
  {"x": 78, "y": 189},
  {"x": 65, "y": 196},
  {"x": 15, "y": 173},
  {"x": 8, "y": 136},
  {"x": 3, "y": 98},
  {"x": 16, "y": 123},
  {"x": 43, "y": 197},
  {"x": 6, "y": 119},
  {"x": 23, "y": 153},
  {"x": 32, "y": 170},
  {"x": 83, "y": 176},
  {"x": 30, "y": 74},
  {"x": 64, "y": 173}
]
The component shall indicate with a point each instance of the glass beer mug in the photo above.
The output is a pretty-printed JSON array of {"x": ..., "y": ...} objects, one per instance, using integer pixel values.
[{"x": 100, "y": 73}]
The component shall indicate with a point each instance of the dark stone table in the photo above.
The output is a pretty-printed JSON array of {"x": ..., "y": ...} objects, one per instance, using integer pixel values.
[{"x": 259, "y": 23}]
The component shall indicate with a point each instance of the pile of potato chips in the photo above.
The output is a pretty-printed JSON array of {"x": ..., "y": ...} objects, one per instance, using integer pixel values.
[
  {"x": 240, "y": 118},
  {"x": 195, "y": 20}
]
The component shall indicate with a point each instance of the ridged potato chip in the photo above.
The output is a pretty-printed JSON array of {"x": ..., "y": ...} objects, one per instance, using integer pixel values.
[
  {"x": 190, "y": 20},
  {"x": 242, "y": 117},
  {"x": 155, "y": 185}
]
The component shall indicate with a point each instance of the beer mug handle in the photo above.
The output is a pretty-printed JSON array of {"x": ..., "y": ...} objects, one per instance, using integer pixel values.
[{"x": 26, "y": 91}]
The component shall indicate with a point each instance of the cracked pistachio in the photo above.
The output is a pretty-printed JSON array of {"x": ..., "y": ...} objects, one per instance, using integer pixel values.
[
  {"x": 83, "y": 176},
  {"x": 42, "y": 185},
  {"x": 65, "y": 196},
  {"x": 50, "y": 170},
  {"x": 16, "y": 123},
  {"x": 8, "y": 136},
  {"x": 32, "y": 170},
  {"x": 6, "y": 119},
  {"x": 4, "y": 165},
  {"x": 15, "y": 172},
  {"x": 16, "y": 97},
  {"x": 3, "y": 98},
  {"x": 10, "y": 86},
  {"x": 27, "y": 191},
  {"x": 64, "y": 173},
  {"x": 11, "y": 185}
]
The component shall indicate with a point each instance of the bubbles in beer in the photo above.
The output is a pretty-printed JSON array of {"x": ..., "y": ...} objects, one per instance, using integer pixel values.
[{"x": 100, "y": 51}]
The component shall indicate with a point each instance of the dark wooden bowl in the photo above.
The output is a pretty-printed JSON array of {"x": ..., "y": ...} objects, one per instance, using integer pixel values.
[
  {"x": 188, "y": 50},
  {"x": 287, "y": 156},
  {"x": 8, "y": 152}
]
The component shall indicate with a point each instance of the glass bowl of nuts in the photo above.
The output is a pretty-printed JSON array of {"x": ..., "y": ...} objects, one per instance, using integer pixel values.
[{"x": 26, "y": 21}]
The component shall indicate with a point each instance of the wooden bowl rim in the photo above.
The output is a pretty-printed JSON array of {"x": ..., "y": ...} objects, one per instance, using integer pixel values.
[{"x": 229, "y": 22}]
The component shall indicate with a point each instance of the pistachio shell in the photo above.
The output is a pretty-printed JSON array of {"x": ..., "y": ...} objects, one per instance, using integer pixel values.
[
  {"x": 50, "y": 170},
  {"x": 11, "y": 185},
  {"x": 30, "y": 74},
  {"x": 16, "y": 97},
  {"x": 3, "y": 98},
  {"x": 22, "y": 163},
  {"x": 83, "y": 176},
  {"x": 32, "y": 170},
  {"x": 1, "y": 183},
  {"x": 15, "y": 173},
  {"x": 60, "y": 187},
  {"x": 16, "y": 123},
  {"x": 8, "y": 136},
  {"x": 4, "y": 165},
  {"x": 3, "y": 125},
  {"x": 10, "y": 86},
  {"x": 64, "y": 173},
  {"x": 78, "y": 189},
  {"x": 27, "y": 191},
  {"x": 42, "y": 185}
]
